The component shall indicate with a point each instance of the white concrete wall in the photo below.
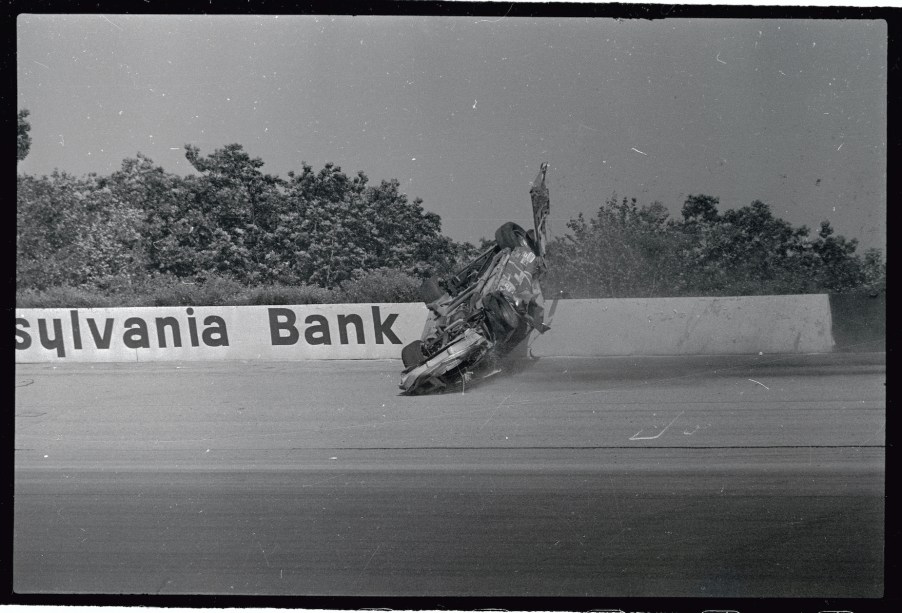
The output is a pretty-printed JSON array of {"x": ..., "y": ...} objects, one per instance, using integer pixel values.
[
  {"x": 674, "y": 326},
  {"x": 660, "y": 326},
  {"x": 310, "y": 332}
]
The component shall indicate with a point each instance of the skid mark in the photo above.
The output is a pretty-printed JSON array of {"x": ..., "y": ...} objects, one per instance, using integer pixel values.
[
  {"x": 265, "y": 557},
  {"x": 361, "y": 573},
  {"x": 636, "y": 436},
  {"x": 759, "y": 383},
  {"x": 500, "y": 404},
  {"x": 697, "y": 428}
]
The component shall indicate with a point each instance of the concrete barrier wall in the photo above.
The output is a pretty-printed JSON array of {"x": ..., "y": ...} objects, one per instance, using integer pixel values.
[
  {"x": 311, "y": 332},
  {"x": 660, "y": 326},
  {"x": 687, "y": 326}
]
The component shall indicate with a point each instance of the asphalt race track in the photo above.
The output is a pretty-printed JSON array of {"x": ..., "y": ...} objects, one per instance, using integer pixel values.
[{"x": 715, "y": 476}]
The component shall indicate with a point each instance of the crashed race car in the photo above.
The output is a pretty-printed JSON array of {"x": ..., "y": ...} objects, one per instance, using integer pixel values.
[{"x": 485, "y": 310}]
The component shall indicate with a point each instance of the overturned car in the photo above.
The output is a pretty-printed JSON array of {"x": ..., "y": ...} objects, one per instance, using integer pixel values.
[{"x": 485, "y": 310}]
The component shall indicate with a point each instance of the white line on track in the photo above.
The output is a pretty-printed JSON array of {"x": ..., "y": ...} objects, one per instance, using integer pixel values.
[{"x": 636, "y": 436}]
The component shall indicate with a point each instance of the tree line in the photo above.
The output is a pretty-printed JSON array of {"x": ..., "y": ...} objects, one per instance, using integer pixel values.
[
  {"x": 230, "y": 220},
  {"x": 141, "y": 226},
  {"x": 627, "y": 250}
]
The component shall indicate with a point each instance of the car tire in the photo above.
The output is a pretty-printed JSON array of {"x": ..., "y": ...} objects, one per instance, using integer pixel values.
[
  {"x": 503, "y": 318},
  {"x": 512, "y": 235},
  {"x": 412, "y": 354}
]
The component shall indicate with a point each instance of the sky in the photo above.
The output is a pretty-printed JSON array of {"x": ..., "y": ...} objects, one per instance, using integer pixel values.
[{"x": 462, "y": 110}]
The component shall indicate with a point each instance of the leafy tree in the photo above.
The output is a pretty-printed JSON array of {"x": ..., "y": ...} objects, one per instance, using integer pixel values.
[
  {"x": 240, "y": 206},
  {"x": 230, "y": 220},
  {"x": 319, "y": 228},
  {"x": 840, "y": 269},
  {"x": 173, "y": 227},
  {"x": 407, "y": 237},
  {"x": 75, "y": 231},
  {"x": 874, "y": 268},
  {"x": 335, "y": 226},
  {"x": 233, "y": 225},
  {"x": 466, "y": 252},
  {"x": 23, "y": 140},
  {"x": 700, "y": 209},
  {"x": 246, "y": 195},
  {"x": 624, "y": 250},
  {"x": 749, "y": 251},
  {"x": 42, "y": 220},
  {"x": 743, "y": 251}
]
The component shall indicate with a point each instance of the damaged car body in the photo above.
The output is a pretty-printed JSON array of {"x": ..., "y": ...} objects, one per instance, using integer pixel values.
[{"x": 485, "y": 310}]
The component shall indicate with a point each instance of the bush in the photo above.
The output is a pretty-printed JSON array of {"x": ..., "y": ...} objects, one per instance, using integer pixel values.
[
  {"x": 61, "y": 297},
  {"x": 213, "y": 291},
  {"x": 380, "y": 285},
  {"x": 287, "y": 294}
]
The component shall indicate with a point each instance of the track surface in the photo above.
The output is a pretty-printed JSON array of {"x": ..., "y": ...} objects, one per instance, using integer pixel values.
[{"x": 720, "y": 476}]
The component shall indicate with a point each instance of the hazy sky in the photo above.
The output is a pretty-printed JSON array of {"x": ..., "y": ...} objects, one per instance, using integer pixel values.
[{"x": 463, "y": 109}]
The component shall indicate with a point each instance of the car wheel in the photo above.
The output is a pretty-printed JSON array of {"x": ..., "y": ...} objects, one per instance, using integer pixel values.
[
  {"x": 511, "y": 236},
  {"x": 501, "y": 315}
]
